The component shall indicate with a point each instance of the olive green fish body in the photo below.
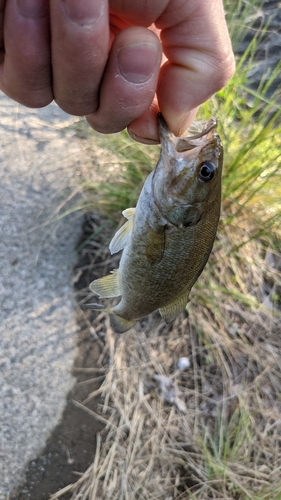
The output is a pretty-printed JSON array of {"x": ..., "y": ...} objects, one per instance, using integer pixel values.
[
  {"x": 163, "y": 264},
  {"x": 168, "y": 237}
]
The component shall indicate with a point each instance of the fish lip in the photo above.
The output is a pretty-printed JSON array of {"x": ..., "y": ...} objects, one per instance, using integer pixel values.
[
  {"x": 186, "y": 143},
  {"x": 163, "y": 127},
  {"x": 198, "y": 130}
]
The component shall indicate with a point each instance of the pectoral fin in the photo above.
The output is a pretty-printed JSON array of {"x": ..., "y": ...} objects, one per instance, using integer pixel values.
[
  {"x": 109, "y": 286},
  {"x": 120, "y": 325},
  {"x": 170, "y": 311},
  {"x": 122, "y": 237}
]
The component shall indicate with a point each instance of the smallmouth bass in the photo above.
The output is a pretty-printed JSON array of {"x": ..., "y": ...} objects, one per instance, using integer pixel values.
[{"x": 168, "y": 237}]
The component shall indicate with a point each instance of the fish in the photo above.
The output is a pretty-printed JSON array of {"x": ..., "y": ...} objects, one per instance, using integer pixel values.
[{"x": 168, "y": 237}]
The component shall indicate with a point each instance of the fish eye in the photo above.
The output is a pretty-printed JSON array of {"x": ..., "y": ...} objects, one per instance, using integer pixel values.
[{"x": 207, "y": 171}]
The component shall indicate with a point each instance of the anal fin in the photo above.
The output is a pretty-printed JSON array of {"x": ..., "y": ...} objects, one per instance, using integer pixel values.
[
  {"x": 170, "y": 311},
  {"x": 120, "y": 325},
  {"x": 108, "y": 286}
]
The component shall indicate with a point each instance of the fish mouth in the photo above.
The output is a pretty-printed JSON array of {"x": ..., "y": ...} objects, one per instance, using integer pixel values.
[{"x": 198, "y": 129}]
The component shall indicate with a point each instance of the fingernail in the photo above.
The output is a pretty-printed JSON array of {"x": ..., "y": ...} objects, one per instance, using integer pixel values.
[
  {"x": 32, "y": 9},
  {"x": 143, "y": 140},
  {"x": 84, "y": 12},
  {"x": 138, "y": 61}
]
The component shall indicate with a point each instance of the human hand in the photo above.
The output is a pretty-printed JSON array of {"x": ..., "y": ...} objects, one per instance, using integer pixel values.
[{"x": 98, "y": 58}]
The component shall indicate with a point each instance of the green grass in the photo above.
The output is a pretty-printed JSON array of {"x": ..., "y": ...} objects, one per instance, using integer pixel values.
[
  {"x": 240, "y": 17},
  {"x": 130, "y": 164},
  {"x": 250, "y": 128}
]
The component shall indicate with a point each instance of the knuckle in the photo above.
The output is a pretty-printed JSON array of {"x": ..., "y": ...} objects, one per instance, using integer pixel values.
[
  {"x": 33, "y": 95},
  {"x": 70, "y": 108},
  {"x": 34, "y": 100},
  {"x": 76, "y": 98},
  {"x": 220, "y": 69},
  {"x": 76, "y": 105},
  {"x": 26, "y": 85},
  {"x": 227, "y": 67},
  {"x": 103, "y": 126},
  {"x": 28, "y": 96}
]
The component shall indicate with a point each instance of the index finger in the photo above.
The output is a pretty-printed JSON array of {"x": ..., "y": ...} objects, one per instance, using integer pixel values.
[
  {"x": 200, "y": 59},
  {"x": 197, "y": 45}
]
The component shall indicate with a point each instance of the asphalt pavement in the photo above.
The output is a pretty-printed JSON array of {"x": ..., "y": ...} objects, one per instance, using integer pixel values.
[{"x": 39, "y": 172}]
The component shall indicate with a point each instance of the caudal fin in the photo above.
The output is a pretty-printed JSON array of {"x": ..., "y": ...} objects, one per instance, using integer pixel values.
[{"x": 120, "y": 325}]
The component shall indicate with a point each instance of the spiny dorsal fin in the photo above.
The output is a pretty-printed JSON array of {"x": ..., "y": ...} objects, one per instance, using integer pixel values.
[
  {"x": 108, "y": 286},
  {"x": 128, "y": 213},
  {"x": 170, "y": 311},
  {"x": 122, "y": 237}
]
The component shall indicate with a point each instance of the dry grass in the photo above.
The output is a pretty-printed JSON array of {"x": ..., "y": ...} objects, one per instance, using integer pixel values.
[{"x": 226, "y": 443}]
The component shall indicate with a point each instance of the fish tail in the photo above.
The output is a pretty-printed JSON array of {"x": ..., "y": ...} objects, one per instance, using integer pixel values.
[{"x": 119, "y": 325}]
